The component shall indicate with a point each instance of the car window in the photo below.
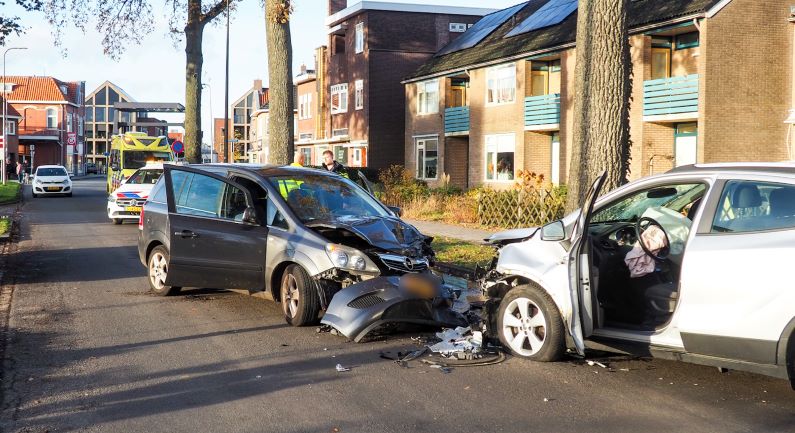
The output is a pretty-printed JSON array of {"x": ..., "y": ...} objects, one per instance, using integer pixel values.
[
  {"x": 158, "y": 193},
  {"x": 682, "y": 198},
  {"x": 313, "y": 197},
  {"x": 142, "y": 177},
  {"x": 201, "y": 197},
  {"x": 274, "y": 217},
  {"x": 234, "y": 203},
  {"x": 747, "y": 206},
  {"x": 50, "y": 171},
  {"x": 178, "y": 181}
]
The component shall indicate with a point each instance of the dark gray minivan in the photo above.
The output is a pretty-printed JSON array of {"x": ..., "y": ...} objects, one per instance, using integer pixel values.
[{"x": 296, "y": 234}]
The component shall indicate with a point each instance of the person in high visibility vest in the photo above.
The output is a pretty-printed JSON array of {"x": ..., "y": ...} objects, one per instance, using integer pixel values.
[{"x": 298, "y": 160}]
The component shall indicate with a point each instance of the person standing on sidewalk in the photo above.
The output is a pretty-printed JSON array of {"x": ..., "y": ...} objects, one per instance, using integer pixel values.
[{"x": 330, "y": 164}]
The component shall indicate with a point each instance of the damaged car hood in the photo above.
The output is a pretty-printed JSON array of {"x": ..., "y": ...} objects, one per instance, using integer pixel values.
[{"x": 387, "y": 233}]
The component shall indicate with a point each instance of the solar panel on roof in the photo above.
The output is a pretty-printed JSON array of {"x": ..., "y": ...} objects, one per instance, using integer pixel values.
[
  {"x": 552, "y": 13},
  {"x": 480, "y": 30}
]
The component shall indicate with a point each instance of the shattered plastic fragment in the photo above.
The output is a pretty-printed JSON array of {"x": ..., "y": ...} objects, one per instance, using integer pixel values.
[{"x": 341, "y": 368}]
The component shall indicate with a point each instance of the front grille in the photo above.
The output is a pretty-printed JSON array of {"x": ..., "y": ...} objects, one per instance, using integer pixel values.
[
  {"x": 130, "y": 201},
  {"x": 403, "y": 263},
  {"x": 365, "y": 301}
]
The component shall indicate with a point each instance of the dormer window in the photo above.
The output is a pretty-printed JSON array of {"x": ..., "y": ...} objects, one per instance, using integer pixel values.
[
  {"x": 64, "y": 89},
  {"x": 8, "y": 87}
]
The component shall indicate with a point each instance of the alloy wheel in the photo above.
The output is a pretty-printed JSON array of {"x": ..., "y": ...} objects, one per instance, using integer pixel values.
[
  {"x": 290, "y": 295},
  {"x": 158, "y": 270},
  {"x": 524, "y": 326}
]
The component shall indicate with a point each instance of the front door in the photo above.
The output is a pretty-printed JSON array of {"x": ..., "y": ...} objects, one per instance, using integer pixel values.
[
  {"x": 685, "y": 144},
  {"x": 582, "y": 319},
  {"x": 210, "y": 244}
]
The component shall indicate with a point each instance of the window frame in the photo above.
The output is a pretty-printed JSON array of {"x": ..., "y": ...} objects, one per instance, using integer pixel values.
[
  {"x": 420, "y": 144},
  {"x": 52, "y": 113},
  {"x": 359, "y": 38},
  {"x": 358, "y": 93},
  {"x": 719, "y": 207},
  {"x": 686, "y": 45},
  {"x": 11, "y": 127},
  {"x": 424, "y": 105},
  {"x": 305, "y": 106},
  {"x": 493, "y": 77},
  {"x": 496, "y": 153},
  {"x": 342, "y": 102}
]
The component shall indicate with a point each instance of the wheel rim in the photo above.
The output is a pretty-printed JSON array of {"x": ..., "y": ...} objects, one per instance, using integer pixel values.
[
  {"x": 524, "y": 327},
  {"x": 158, "y": 270},
  {"x": 290, "y": 295}
]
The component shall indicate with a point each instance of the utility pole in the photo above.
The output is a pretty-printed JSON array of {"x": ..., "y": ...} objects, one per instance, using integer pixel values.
[
  {"x": 5, "y": 109},
  {"x": 226, "y": 91}
]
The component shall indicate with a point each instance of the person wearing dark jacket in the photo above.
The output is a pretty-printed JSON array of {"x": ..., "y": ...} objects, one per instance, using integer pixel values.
[{"x": 330, "y": 164}]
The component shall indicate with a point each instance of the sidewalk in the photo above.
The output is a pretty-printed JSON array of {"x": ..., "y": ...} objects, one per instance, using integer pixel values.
[{"x": 433, "y": 228}]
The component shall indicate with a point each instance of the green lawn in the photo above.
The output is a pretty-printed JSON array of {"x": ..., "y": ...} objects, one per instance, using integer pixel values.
[
  {"x": 5, "y": 225},
  {"x": 8, "y": 192},
  {"x": 461, "y": 253}
]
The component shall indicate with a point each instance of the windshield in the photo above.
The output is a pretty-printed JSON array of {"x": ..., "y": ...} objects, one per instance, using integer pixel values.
[
  {"x": 141, "y": 177},
  {"x": 678, "y": 198},
  {"x": 312, "y": 197},
  {"x": 54, "y": 171},
  {"x": 139, "y": 158}
]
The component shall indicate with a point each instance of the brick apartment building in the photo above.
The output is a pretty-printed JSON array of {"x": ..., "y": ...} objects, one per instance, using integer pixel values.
[
  {"x": 51, "y": 127},
  {"x": 480, "y": 111},
  {"x": 357, "y": 104},
  {"x": 11, "y": 126},
  {"x": 240, "y": 145}
]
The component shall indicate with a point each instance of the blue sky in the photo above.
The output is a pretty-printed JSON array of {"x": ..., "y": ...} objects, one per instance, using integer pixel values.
[{"x": 153, "y": 71}]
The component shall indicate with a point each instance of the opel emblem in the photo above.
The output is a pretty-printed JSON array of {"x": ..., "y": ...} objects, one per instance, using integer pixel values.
[{"x": 409, "y": 264}]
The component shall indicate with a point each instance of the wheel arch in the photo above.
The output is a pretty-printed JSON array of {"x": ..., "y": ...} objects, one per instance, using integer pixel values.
[
  {"x": 152, "y": 245},
  {"x": 786, "y": 351}
]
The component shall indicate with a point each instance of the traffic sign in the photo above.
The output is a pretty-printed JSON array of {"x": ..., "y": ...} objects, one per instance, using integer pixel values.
[
  {"x": 177, "y": 146},
  {"x": 2, "y": 142},
  {"x": 71, "y": 138}
]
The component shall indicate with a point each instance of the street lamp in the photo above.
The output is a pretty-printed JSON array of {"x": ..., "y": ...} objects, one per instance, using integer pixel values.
[
  {"x": 212, "y": 120},
  {"x": 226, "y": 91},
  {"x": 5, "y": 108}
]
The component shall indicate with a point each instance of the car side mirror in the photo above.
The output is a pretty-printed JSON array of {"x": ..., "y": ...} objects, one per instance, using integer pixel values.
[
  {"x": 250, "y": 216},
  {"x": 396, "y": 210},
  {"x": 554, "y": 231}
]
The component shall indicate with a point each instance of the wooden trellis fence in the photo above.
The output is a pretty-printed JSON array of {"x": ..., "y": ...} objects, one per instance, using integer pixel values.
[{"x": 520, "y": 207}]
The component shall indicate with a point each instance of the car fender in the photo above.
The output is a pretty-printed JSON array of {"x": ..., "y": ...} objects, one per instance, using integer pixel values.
[{"x": 286, "y": 256}]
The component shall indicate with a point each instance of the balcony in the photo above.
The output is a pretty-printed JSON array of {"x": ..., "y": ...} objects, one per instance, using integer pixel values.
[
  {"x": 674, "y": 98},
  {"x": 456, "y": 121},
  {"x": 542, "y": 113}
]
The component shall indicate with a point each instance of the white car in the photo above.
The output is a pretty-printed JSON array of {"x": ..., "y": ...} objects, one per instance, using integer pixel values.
[
  {"x": 51, "y": 180},
  {"x": 126, "y": 201},
  {"x": 690, "y": 265}
]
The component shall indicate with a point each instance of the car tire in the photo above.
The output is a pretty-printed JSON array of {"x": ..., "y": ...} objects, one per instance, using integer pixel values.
[
  {"x": 117, "y": 221},
  {"x": 157, "y": 271},
  {"x": 299, "y": 297},
  {"x": 34, "y": 194},
  {"x": 69, "y": 194},
  {"x": 529, "y": 324}
]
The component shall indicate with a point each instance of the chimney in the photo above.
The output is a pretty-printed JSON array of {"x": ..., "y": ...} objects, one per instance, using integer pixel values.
[
  {"x": 258, "y": 84},
  {"x": 303, "y": 68},
  {"x": 335, "y": 6}
]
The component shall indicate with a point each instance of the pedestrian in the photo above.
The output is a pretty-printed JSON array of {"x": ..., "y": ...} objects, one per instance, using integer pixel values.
[
  {"x": 20, "y": 170},
  {"x": 330, "y": 164},
  {"x": 298, "y": 159}
]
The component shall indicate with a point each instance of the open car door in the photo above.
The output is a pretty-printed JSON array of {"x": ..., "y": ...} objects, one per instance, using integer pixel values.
[{"x": 582, "y": 317}]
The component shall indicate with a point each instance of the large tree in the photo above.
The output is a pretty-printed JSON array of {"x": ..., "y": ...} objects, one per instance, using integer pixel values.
[
  {"x": 122, "y": 22},
  {"x": 11, "y": 24},
  {"x": 280, "y": 77},
  {"x": 603, "y": 84}
]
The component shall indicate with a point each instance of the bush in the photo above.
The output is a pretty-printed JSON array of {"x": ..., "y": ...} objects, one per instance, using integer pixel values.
[{"x": 400, "y": 186}]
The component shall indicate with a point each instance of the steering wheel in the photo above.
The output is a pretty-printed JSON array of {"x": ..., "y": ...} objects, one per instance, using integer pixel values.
[{"x": 643, "y": 224}]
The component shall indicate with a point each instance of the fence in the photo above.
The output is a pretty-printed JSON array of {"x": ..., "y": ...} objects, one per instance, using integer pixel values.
[{"x": 520, "y": 208}]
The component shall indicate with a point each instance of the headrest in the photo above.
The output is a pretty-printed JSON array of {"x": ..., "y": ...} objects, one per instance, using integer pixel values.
[
  {"x": 782, "y": 202},
  {"x": 746, "y": 195}
]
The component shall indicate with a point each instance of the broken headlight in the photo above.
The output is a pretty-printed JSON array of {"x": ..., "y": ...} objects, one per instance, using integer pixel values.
[{"x": 350, "y": 259}]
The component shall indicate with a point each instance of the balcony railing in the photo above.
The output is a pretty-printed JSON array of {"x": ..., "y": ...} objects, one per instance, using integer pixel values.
[
  {"x": 456, "y": 120},
  {"x": 673, "y": 95},
  {"x": 542, "y": 110}
]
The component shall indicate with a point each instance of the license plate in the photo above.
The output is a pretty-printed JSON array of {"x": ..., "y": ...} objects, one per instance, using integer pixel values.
[
  {"x": 53, "y": 188},
  {"x": 136, "y": 209}
]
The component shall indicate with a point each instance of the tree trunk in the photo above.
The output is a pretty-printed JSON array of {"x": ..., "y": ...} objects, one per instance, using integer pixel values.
[
  {"x": 193, "y": 86},
  {"x": 603, "y": 84},
  {"x": 280, "y": 73}
]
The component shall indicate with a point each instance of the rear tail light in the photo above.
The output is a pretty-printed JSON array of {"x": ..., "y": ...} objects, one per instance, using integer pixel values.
[{"x": 141, "y": 219}]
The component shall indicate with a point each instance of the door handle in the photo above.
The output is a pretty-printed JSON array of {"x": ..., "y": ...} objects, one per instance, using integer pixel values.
[{"x": 186, "y": 234}]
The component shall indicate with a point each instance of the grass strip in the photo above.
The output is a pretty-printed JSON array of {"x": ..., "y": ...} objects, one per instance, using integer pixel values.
[
  {"x": 461, "y": 253},
  {"x": 8, "y": 192}
]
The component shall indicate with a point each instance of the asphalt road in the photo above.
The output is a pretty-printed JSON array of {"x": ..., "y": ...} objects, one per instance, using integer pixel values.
[{"x": 89, "y": 349}]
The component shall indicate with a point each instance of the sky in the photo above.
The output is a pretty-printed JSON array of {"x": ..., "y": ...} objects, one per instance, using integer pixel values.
[{"x": 153, "y": 71}]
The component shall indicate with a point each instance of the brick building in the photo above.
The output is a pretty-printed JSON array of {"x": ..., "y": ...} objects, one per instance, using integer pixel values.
[
  {"x": 11, "y": 126},
  {"x": 51, "y": 113},
  {"x": 360, "y": 104},
  {"x": 240, "y": 145},
  {"x": 504, "y": 101}
]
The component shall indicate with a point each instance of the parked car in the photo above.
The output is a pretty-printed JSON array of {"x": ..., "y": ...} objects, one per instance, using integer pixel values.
[
  {"x": 297, "y": 234},
  {"x": 91, "y": 168},
  {"x": 50, "y": 180},
  {"x": 690, "y": 265},
  {"x": 126, "y": 201}
]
